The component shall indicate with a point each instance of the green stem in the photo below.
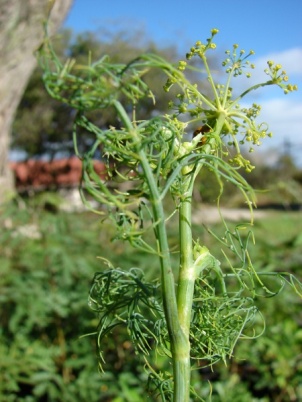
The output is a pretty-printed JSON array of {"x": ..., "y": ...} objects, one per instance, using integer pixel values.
[
  {"x": 186, "y": 282},
  {"x": 186, "y": 271},
  {"x": 211, "y": 81},
  {"x": 179, "y": 343},
  {"x": 187, "y": 274},
  {"x": 253, "y": 88},
  {"x": 226, "y": 89}
]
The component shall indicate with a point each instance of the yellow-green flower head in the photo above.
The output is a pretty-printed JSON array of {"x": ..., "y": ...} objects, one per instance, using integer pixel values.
[
  {"x": 182, "y": 108},
  {"x": 214, "y": 31},
  {"x": 182, "y": 65},
  {"x": 240, "y": 161}
]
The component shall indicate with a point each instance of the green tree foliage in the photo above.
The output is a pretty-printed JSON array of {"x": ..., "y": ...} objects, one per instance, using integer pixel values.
[
  {"x": 43, "y": 125},
  {"x": 40, "y": 120}
]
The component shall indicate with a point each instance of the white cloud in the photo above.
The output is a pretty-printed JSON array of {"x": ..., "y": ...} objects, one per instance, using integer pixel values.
[
  {"x": 291, "y": 61},
  {"x": 284, "y": 117},
  {"x": 283, "y": 113}
]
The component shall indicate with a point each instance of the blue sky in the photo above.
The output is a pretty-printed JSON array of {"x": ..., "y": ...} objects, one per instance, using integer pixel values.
[{"x": 273, "y": 29}]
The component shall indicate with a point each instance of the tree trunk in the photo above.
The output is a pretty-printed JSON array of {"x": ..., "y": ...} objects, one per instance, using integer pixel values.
[{"x": 21, "y": 32}]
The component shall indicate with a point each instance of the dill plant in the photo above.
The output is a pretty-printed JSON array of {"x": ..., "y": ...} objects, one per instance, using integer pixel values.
[{"x": 190, "y": 313}]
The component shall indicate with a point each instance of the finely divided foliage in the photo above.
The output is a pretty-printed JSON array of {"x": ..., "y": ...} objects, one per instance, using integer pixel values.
[{"x": 188, "y": 314}]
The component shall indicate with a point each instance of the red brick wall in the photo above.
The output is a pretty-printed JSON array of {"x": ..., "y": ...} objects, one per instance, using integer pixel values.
[{"x": 57, "y": 173}]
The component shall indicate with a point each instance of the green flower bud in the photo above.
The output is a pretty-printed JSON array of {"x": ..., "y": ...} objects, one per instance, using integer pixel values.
[
  {"x": 182, "y": 65},
  {"x": 182, "y": 108}
]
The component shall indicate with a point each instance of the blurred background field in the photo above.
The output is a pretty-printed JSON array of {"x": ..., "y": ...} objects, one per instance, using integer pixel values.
[{"x": 48, "y": 258}]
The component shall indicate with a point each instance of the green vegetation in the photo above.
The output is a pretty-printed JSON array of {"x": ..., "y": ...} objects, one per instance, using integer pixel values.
[
  {"x": 195, "y": 310},
  {"x": 51, "y": 121},
  {"x": 47, "y": 261},
  {"x": 171, "y": 308}
]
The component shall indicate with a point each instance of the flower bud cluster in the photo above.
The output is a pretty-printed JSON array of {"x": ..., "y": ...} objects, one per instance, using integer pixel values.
[
  {"x": 235, "y": 63},
  {"x": 239, "y": 161},
  {"x": 279, "y": 77},
  {"x": 221, "y": 91},
  {"x": 187, "y": 102},
  {"x": 170, "y": 82},
  {"x": 252, "y": 112},
  {"x": 237, "y": 121},
  {"x": 200, "y": 48}
]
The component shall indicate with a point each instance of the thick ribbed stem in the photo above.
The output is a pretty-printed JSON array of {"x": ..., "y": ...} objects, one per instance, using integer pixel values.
[
  {"x": 180, "y": 347},
  {"x": 185, "y": 283},
  {"x": 179, "y": 342}
]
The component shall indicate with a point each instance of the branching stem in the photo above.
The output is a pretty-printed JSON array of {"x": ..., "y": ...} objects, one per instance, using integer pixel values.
[{"x": 179, "y": 341}]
